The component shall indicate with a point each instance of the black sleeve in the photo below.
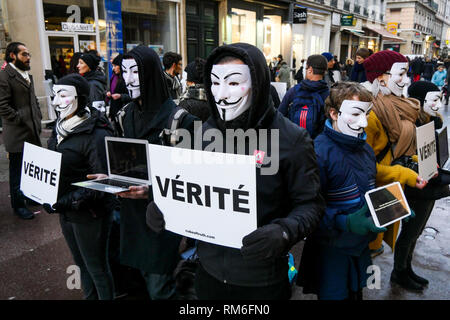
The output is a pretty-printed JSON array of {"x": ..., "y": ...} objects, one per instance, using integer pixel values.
[
  {"x": 303, "y": 184},
  {"x": 275, "y": 97}
]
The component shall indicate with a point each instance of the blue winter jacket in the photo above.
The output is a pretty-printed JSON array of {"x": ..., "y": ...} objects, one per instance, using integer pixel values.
[
  {"x": 303, "y": 104},
  {"x": 347, "y": 168}
]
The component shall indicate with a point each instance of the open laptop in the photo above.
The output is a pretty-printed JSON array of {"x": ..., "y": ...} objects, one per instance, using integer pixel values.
[
  {"x": 128, "y": 165},
  {"x": 442, "y": 149}
]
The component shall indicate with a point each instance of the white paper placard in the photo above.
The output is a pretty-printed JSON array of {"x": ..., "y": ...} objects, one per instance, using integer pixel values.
[
  {"x": 209, "y": 196},
  {"x": 426, "y": 150},
  {"x": 40, "y": 174}
]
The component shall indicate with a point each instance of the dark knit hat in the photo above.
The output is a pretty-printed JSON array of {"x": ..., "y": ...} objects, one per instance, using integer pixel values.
[
  {"x": 76, "y": 80},
  {"x": 419, "y": 90},
  {"x": 194, "y": 71},
  {"x": 380, "y": 62},
  {"x": 91, "y": 60},
  {"x": 328, "y": 55}
]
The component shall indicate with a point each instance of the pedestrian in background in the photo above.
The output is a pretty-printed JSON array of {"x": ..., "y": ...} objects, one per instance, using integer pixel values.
[
  {"x": 74, "y": 62},
  {"x": 194, "y": 100},
  {"x": 173, "y": 67},
  {"x": 21, "y": 118},
  {"x": 88, "y": 67},
  {"x": 303, "y": 104},
  {"x": 329, "y": 76},
  {"x": 428, "y": 69},
  {"x": 348, "y": 69},
  {"x": 299, "y": 75},
  {"x": 358, "y": 73},
  {"x": 439, "y": 77},
  {"x": 117, "y": 96},
  {"x": 284, "y": 75}
]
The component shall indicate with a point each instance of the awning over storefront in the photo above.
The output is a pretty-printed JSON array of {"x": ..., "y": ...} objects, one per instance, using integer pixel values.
[
  {"x": 387, "y": 36},
  {"x": 356, "y": 32}
]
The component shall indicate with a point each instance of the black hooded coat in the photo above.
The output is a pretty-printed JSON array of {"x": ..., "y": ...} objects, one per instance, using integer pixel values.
[
  {"x": 290, "y": 197},
  {"x": 140, "y": 247}
]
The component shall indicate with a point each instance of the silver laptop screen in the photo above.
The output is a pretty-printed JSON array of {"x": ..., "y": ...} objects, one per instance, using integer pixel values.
[{"x": 128, "y": 159}]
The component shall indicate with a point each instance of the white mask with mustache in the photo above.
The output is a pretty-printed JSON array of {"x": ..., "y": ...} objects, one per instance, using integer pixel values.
[
  {"x": 398, "y": 81},
  {"x": 432, "y": 103},
  {"x": 231, "y": 86},
  {"x": 65, "y": 100},
  {"x": 130, "y": 74},
  {"x": 352, "y": 117}
]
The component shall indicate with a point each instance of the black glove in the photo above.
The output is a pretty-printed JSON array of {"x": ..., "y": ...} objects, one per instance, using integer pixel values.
[
  {"x": 78, "y": 199},
  {"x": 267, "y": 242},
  {"x": 155, "y": 218},
  {"x": 51, "y": 209}
]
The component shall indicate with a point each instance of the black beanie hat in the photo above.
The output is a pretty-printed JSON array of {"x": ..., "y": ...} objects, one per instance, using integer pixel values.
[
  {"x": 76, "y": 80},
  {"x": 194, "y": 71},
  {"x": 91, "y": 60},
  {"x": 419, "y": 90}
]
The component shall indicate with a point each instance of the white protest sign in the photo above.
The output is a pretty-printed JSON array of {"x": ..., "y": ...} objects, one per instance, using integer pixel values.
[
  {"x": 209, "y": 196},
  {"x": 426, "y": 150},
  {"x": 40, "y": 174}
]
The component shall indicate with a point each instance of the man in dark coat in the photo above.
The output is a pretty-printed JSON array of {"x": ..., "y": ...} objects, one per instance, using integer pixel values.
[
  {"x": 289, "y": 205},
  {"x": 21, "y": 118}
]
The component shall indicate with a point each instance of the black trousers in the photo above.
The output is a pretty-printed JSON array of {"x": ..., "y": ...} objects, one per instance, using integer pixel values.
[
  {"x": 410, "y": 232},
  {"x": 15, "y": 171},
  {"x": 209, "y": 288}
]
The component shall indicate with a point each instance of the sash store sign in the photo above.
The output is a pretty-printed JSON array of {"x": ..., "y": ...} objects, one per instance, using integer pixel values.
[{"x": 300, "y": 15}]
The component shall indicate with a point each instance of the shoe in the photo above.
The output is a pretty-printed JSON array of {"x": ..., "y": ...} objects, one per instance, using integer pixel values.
[
  {"x": 417, "y": 278},
  {"x": 403, "y": 279},
  {"x": 377, "y": 252},
  {"x": 24, "y": 213}
]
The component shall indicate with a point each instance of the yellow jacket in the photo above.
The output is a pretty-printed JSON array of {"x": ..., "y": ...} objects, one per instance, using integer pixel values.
[{"x": 378, "y": 139}]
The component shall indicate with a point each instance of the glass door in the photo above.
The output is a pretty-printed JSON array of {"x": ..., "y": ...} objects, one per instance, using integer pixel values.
[{"x": 61, "y": 53}]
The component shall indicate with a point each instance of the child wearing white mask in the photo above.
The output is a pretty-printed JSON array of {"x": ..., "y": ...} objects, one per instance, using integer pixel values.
[{"x": 336, "y": 256}]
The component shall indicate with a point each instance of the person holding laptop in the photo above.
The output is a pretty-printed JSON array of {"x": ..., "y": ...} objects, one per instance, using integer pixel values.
[{"x": 85, "y": 215}]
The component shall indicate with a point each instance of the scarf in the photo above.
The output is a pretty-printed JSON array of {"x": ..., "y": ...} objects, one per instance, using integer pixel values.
[
  {"x": 66, "y": 126},
  {"x": 398, "y": 116}
]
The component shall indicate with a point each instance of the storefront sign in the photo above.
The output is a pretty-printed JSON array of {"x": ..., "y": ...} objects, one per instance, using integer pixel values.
[
  {"x": 114, "y": 34},
  {"x": 300, "y": 15},
  {"x": 77, "y": 27},
  {"x": 209, "y": 196},
  {"x": 347, "y": 20},
  {"x": 40, "y": 174},
  {"x": 426, "y": 151},
  {"x": 392, "y": 27}
]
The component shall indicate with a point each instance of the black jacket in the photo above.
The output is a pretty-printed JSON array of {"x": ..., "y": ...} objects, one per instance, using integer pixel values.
[
  {"x": 428, "y": 70},
  {"x": 97, "y": 85},
  {"x": 83, "y": 152},
  {"x": 140, "y": 247},
  {"x": 290, "y": 197}
]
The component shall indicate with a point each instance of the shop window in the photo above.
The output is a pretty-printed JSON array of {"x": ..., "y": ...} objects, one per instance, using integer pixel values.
[
  {"x": 151, "y": 23},
  {"x": 63, "y": 15},
  {"x": 272, "y": 36},
  {"x": 243, "y": 26}
]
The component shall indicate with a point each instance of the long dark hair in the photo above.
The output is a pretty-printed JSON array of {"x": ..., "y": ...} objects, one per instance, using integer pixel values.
[{"x": 74, "y": 62}]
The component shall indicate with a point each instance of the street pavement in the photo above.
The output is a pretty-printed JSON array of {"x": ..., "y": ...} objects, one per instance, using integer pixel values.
[{"x": 34, "y": 256}]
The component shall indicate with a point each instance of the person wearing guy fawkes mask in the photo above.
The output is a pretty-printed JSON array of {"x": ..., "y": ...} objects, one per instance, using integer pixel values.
[
  {"x": 85, "y": 214},
  {"x": 237, "y": 83},
  {"x": 421, "y": 201},
  {"x": 391, "y": 132},
  {"x": 155, "y": 256}
]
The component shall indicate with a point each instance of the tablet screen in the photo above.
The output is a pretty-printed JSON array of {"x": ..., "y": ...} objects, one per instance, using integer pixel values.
[{"x": 387, "y": 204}]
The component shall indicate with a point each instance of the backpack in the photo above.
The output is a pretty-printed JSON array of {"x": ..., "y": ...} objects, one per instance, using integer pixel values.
[{"x": 307, "y": 111}]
